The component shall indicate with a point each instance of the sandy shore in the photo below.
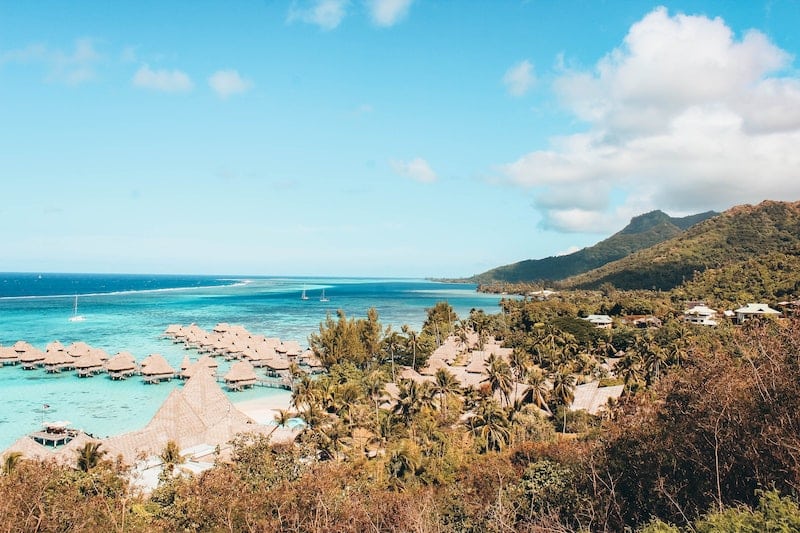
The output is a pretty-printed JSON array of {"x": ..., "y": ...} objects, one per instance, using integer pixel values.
[{"x": 263, "y": 410}]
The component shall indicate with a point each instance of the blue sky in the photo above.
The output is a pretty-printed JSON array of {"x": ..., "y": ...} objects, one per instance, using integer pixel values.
[{"x": 379, "y": 137}]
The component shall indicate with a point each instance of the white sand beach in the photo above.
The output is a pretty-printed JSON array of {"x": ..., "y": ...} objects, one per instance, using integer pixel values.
[{"x": 263, "y": 410}]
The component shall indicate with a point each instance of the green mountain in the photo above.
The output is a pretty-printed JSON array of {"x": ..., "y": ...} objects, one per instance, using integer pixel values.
[
  {"x": 715, "y": 249},
  {"x": 642, "y": 232}
]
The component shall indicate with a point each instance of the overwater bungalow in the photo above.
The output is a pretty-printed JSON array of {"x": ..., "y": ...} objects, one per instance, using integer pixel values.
[
  {"x": 78, "y": 349},
  {"x": 8, "y": 356},
  {"x": 29, "y": 356},
  {"x": 55, "y": 433},
  {"x": 205, "y": 362},
  {"x": 240, "y": 376},
  {"x": 289, "y": 348},
  {"x": 156, "y": 369},
  {"x": 276, "y": 366},
  {"x": 121, "y": 366},
  {"x": 57, "y": 359},
  {"x": 88, "y": 365}
]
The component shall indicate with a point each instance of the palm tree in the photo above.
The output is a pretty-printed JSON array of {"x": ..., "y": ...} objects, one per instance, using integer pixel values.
[
  {"x": 539, "y": 391},
  {"x": 392, "y": 342},
  {"x": 630, "y": 369},
  {"x": 412, "y": 338},
  {"x": 499, "y": 376},
  {"x": 304, "y": 392},
  {"x": 564, "y": 391},
  {"x": 404, "y": 461},
  {"x": 412, "y": 398},
  {"x": 171, "y": 456},
  {"x": 445, "y": 385},
  {"x": 10, "y": 462},
  {"x": 281, "y": 418},
  {"x": 520, "y": 362},
  {"x": 490, "y": 424},
  {"x": 375, "y": 385},
  {"x": 89, "y": 456}
]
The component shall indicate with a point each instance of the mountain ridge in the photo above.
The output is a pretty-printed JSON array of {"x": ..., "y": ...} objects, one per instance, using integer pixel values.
[
  {"x": 740, "y": 234},
  {"x": 642, "y": 231}
]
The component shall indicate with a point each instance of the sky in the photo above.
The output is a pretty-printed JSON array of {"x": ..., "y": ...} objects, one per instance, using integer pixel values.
[{"x": 385, "y": 138}]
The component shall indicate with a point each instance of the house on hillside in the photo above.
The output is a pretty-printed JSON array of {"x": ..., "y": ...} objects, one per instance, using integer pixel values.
[
  {"x": 743, "y": 314},
  {"x": 600, "y": 321},
  {"x": 790, "y": 308},
  {"x": 701, "y": 315}
]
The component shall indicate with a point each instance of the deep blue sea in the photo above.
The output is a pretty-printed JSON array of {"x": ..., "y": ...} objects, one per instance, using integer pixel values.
[{"x": 131, "y": 312}]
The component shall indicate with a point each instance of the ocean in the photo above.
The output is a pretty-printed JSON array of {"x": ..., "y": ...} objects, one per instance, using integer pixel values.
[{"x": 131, "y": 312}]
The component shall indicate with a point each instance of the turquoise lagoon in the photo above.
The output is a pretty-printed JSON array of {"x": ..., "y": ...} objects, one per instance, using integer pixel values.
[{"x": 131, "y": 313}]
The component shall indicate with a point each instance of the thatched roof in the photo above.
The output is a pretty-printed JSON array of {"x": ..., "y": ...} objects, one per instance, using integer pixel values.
[
  {"x": 89, "y": 360},
  {"x": 241, "y": 371},
  {"x": 54, "y": 346},
  {"x": 78, "y": 349},
  {"x": 121, "y": 362},
  {"x": 199, "y": 413},
  {"x": 57, "y": 357},
  {"x": 277, "y": 364},
  {"x": 8, "y": 353},
  {"x": 30, "y": 355},
  {"x": 22, "y": 346},
  {"x": 204, "y": 362},
  {"x": 156, "y": 365},
  {"x": 592, "y": 398}
]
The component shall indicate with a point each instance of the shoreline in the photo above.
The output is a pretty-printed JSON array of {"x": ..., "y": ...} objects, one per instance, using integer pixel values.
[{"x": 263, "y": 410}]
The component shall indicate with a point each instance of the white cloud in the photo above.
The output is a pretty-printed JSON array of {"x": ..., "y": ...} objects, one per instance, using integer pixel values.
[
  {"x": 170, "y": 81},
  {"x": 417, "y": 169},
  {"x": 327, "y": 14},
  {"x": 520, "y": 78},
  {"x": 568, "y": 251},
  {"x": 70, "y": 67},
  {"x": 228, "y": 82},
  {"x": 682, "y": 117},
  {"x": 388, "y": 12}
]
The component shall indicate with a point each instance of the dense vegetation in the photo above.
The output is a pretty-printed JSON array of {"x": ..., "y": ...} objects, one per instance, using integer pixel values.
[
  {"x": 642, "y": 232},
  {"x": 741, "y": 234},
  {"x": 705, "y": 438}
]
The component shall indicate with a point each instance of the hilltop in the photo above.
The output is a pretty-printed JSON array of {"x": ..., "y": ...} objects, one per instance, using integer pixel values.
[
  {"x": 743, "y": 238},
  {"x": 642, "y": 232}
]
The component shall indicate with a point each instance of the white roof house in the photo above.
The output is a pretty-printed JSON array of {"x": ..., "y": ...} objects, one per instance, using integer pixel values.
[
  {"x": 700, "y": 314},
  {"x": 600, "y": 321},
  {"x": 751, "y": 310}
]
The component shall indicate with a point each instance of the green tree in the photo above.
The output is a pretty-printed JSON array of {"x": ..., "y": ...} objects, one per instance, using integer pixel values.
[
  {"x": 89, "y": 456},
  {"x": 490, "y": 425}
]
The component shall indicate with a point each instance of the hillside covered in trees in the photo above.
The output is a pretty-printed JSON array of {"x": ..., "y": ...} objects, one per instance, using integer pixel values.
[
  {"x": 765, "y": 235},
  {"x": 642, "y": 232}
]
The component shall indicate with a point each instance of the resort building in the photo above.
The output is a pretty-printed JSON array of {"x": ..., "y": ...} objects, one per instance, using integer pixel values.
[
  {"x": 743, "y": 314},
  {"x": 121, "y": 366},
  {"x": 600, "y": 321},
  {"x": 155, "y": 369},
  {"x": 241, "y": 375},
  {"x": 701, "y": 315}
]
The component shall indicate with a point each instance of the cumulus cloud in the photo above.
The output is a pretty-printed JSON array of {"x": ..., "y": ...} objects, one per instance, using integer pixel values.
[
  {"x": 170, "y": 81},
  {"x": 388, "y": 12},
  {"x": 417, "y": 169},
  {"x": 683, "y": 116},
  {"x": 327, "y": 14},
  {"x": 520, "y": 78},
  {"x": 71, "y": 67},
  {"x": 228, "y": 82}
]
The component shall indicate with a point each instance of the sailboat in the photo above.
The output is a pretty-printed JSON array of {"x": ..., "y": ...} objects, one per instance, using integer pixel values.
[
  {"x": 303, "y": 296},
  {"x": 323, "y": 298},
  {"x": 75, "y": 316}
]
